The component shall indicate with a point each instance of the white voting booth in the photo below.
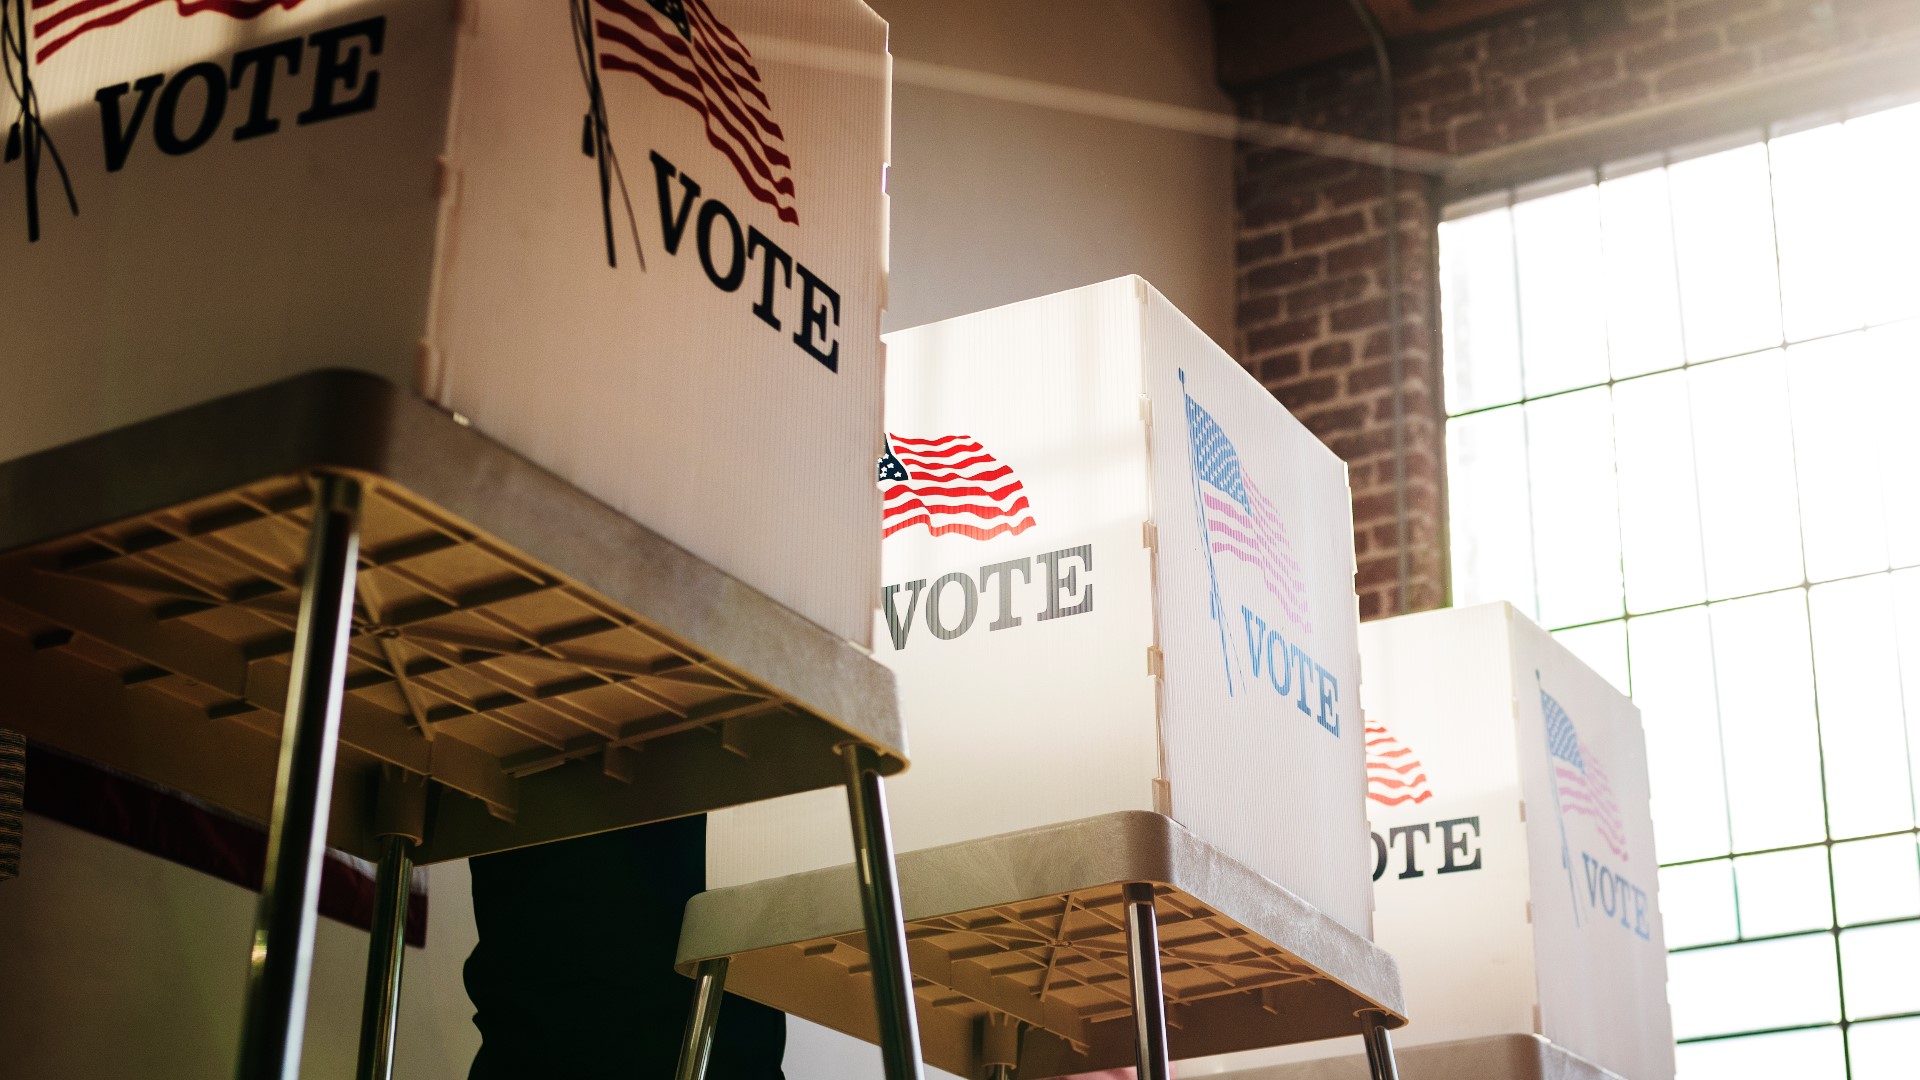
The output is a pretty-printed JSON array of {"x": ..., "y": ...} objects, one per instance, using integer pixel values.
[
  {"x": 1515, "y": 879},
  {"x": 642, "y": 244},
  {"x": 1117, "y": 576}
]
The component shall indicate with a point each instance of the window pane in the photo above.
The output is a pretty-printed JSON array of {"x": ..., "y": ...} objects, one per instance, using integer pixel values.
[
  {"x": 1877, "y": 879},
  {"x": 1886, "y": 1050},
  {"x": 1840, "y": 437},
  {"x": 1906, "y": 614},
  {"x": 1862, "y": 720},
  {"x": 1738, "y": 987},
  {"x": 1696, "y": 903},
  {"x": 1792, "y": 1055},
  {"x": 1783, "y": 892},
  {"x": 1821, "y": 231},
  {"x": 1673, "y": 685},
  {"x": 1492, "y": 536},
  {"x": 1643, "y": 302},
  {"x": 1879, "y": 964},
  {"x": 1723, "y": 231},
  {"x": 1772, "y": 755},
  {"x": 1743, "y": 443},
  {"x": 1602, "y": 647},
  {"x": 1563, "y": 338},
  {"x": 1896, "y": 350},
  {"x": 1576, "y": 530},
  {"x": 1887, "y": 156},
  {"x": 1479, "y": 321},
  {"x": 1659, "y": 505}
]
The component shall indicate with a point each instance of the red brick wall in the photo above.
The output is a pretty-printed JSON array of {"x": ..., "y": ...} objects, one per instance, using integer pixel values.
[{"x": 1313, "y": 289}]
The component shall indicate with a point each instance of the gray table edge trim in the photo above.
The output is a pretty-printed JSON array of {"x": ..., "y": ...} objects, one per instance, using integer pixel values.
[
  {"x": 1544, "y": 1060},
  {"x": 359, "y": 423},
  {"x": 1109, "y": 849}
]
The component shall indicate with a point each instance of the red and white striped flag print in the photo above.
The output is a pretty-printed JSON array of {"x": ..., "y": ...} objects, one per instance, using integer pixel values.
[
  {"x": 1580, "y": 782},
  {"x": 952, "y": 486},
  {"x": 684, "y": 51},
  {"x": 56, "y": 23},
  {"x": 1395, "y": 776}
]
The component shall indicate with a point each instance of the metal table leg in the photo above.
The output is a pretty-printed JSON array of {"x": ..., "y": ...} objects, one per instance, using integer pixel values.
[
  {"x": 1379, "y": 1047},
  {"x": 386, "y": 954},
  {"x": 709, "y": 990},
  {"x": 276, "y": 1005},
  {"x": 1149, "y": 1004},
  {"x": 880, "y": 903},
  {"x": 1000, "y": 1045}
]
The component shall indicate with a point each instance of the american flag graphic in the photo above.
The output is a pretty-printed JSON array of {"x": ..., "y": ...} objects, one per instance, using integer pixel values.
[
  {"x": 56, "y": 23},
  {"x": 1395, "y": 776},
  {"x": 683, "y": 51},
  {"x": 952, "y": 486},
  {"x": 1241, "y": 522},
  {"x": 1579, "y": 782}
]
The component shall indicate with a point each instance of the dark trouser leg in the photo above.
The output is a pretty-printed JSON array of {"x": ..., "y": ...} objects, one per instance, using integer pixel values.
[
  {"x": 1379, "y": 1047},
  {"x": 1143, "y": 964},
  {"x": 276, "y": 1003},
  {"x": 880, "y": 904},
  {"x": 573, "y": 975}
]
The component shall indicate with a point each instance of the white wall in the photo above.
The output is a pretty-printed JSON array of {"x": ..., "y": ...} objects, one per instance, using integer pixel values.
[
  {"x": 996, "y": 202},
  {"x": 115, "y": 963}
]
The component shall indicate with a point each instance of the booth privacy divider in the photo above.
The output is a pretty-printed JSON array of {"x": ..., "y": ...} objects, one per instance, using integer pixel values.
[
  {"x": 1515, "y": 878},
  {"x": 1117, "y": 575},
  {"x": 643, "y": 245}
]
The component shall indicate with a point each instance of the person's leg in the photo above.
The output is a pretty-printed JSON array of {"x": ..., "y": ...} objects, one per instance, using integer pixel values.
[{"x": 573, "y": 974}]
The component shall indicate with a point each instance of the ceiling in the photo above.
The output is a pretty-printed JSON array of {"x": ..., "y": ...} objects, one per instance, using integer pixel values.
[{"x": 1259, "y": 39}]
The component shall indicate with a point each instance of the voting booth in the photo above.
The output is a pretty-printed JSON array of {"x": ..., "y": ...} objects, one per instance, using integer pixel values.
[
  {"x": 1117, "y": 575},
  {"x": 441, "y": 426},
  {"x": 642, "y": 244},
  {"x": 1515, "y": 878}
]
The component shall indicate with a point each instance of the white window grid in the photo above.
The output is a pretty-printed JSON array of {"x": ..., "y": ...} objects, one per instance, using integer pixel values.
[{"x": 1562, "y": 352}]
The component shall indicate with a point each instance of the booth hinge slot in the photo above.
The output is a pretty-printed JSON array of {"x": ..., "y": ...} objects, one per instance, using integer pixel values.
[
  {"x": 1523, "y": 811},
  {"x": 1146, "y": 410},
  {"x": 446, "y": 178},
  {"x": 733, "y": 736},
  {"x": 1538, "y": 1027},
  {"x": 617, "y": 763},
  {"x": 1162, "y": 797},
  {"x": 1156, "y": 662},
  {"x": 1529, "y": 907},
  {"x": 1150, "y": 536}
]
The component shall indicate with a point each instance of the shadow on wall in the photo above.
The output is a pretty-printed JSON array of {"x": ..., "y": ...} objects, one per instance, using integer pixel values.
[
  {"x": 118, "y": 963},
  {"x": 995, "y": 202}
]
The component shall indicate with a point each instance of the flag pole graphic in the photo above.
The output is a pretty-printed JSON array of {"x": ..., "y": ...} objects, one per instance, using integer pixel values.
[
  {"x": 28, "y": 138},
  {"x": 1206, "y": 538},
  {"x": 595, "y": 142},
  {"x": 1566, "y": 852}
]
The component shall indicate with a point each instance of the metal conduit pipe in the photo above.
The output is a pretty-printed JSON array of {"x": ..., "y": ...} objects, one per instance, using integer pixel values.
[{"x": 1390, "y": 181}]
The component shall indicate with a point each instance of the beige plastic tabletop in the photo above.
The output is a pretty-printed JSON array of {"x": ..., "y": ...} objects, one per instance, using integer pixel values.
[
  {"x": 556, "y": 667},
  {"x": 1028, "y": 925}
]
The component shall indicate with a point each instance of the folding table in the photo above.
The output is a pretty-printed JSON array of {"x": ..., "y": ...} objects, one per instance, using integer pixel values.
[
  {"x": 329, "y": 606},
  {"x": 1092, "y": 944},
  {"x": 1496, "y": 1057}
]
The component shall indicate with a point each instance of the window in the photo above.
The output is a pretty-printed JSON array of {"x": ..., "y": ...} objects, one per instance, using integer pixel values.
[{"x": 1684, "y": 434}]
